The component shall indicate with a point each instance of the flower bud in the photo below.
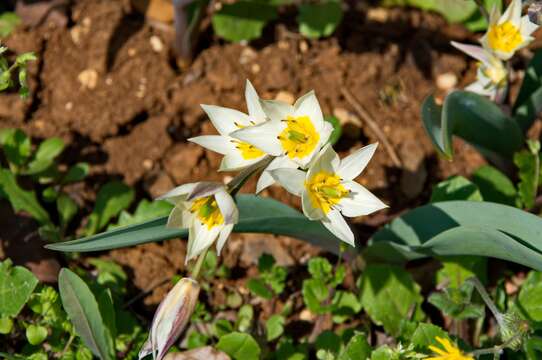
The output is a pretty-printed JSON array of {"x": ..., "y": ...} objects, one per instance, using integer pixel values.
[
  {"x": 171, "y": 318},
  {"x": 514, "y": 330}
]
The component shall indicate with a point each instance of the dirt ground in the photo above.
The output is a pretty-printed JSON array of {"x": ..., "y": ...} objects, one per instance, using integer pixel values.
[{"x": 107, "y": 84}]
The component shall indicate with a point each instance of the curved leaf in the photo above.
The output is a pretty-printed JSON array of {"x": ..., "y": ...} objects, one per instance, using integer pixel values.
[
  {"x": 83, "y": 311},
  {"x": 473, "y": 118},
  {"x": 461, "y": 228},
  {"x": 257, "y": 215}
]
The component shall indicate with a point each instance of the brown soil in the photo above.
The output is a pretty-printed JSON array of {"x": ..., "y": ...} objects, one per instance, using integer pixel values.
[{"x": 123, "y": 106}]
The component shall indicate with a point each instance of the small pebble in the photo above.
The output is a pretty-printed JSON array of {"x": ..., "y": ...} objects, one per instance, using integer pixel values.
[
  {"x": 285, "y": 96},
  {"x": 147, "y": 164},
  {"x": 156, "y": 44},
  {"x": 255, "y": 68},
  {"x": 446, "y": 81},
  {"x": 132, "y": 52},
  {"x": 88, "y": 78},
  {"x": 303, "y": 46},
  {"x": 69, "y": 105}
]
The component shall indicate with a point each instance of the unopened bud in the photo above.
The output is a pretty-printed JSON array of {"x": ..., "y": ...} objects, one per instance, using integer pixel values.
[
  {"x": 171, "y": 318},
  {"x": 514, "y": 330},
  {"x": 535, "y": 13}
]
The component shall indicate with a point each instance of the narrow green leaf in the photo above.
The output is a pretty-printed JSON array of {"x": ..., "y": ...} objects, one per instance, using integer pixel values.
[
  {"x": 460, "y": 228},
  {"x": 259, "y": 288},
  {"x": 44, "y": 157},
  {"x": 529, "y": 175},
  {"x": 67, "y": 209},
  {"x": 337, "y": 129},
  {"x": 17, "y": 146},
  {"x": 16, "y": 286},
  {"x": 146, "y": 210},
  {"x": 76, "y": 173},
  {"x": 84, "y": 312},
  {"x": 455, "y": 188},
  {"x": 274, "y": 326},
  {"x": 529, "y": 101},
  {"x": 257, "y": 215}
]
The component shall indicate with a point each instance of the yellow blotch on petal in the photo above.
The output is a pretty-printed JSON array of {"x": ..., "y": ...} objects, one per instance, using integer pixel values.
[
  {"x": 248, "y": 152},
  {"x": 207, "y": 211},
  {"x": 505, "y": 37},
  {"x": 450, "y": 352},
  {"x": 299, "y": 138},
  {"x": 325, "y": 190}
]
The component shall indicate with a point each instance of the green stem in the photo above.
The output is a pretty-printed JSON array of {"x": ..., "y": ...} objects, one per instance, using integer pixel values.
[
  {"x": 199, "y": 264},
  {"x": 482, "y": 9},
  {"x": 237, "y": 182},
  {"x": 485, "y": 296}
]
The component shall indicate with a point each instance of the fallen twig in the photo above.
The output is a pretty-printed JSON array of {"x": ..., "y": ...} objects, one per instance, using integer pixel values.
[{"x": 365, "y": 116}]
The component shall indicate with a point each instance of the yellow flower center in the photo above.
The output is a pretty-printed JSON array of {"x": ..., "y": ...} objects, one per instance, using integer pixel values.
[
  {"x": 325, "y": 190},
  {"x": 299, "y": 138},
  {"x": 248, "y": 152},
  {"x": 505, "y": 37},
  {"x": 207, "y": 211}
]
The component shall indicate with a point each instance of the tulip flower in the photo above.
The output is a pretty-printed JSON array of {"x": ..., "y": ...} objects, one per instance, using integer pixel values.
[
  {"x": 508, "y": 32},
  {"x": 328, "y": 191},
  {"x": 207, "y": 210},
  {"x": 491, "y": 77},
  {"x": 171, "y": 318}
]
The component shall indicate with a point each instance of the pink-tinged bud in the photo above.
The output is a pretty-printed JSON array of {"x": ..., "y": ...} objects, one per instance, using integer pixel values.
[{"x": 171, "y": 318}]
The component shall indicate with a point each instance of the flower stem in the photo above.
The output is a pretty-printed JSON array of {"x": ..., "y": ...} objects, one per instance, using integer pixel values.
[
  {"x": 482, "y": 9},
  {"x": 485, "y": 296},
  {"x": 199, "y": 264},
  {"x": 237, "y": 182}
]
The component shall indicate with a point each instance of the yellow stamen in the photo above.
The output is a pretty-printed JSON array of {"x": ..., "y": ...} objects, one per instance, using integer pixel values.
[
  {"x": 248, "y": 152},
  {"x": 450, "y": 352},
  {"x": 505, "y": 37},
  {"x": 325, "y": 190},
  {"x": 207, "y": 211},
  {"x": 299, "y": 138}
]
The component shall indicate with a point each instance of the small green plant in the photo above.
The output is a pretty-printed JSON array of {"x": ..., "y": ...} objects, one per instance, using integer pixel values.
[
  {"x": 272, "y": 279},
  {"x": 18, "y": 67}
]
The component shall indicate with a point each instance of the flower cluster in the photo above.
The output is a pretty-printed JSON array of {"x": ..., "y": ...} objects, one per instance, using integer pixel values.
[
  {"x": 291, "y": 141},
  {"x": 506, "y": 34},
  {"x": 450, "y": 351}
]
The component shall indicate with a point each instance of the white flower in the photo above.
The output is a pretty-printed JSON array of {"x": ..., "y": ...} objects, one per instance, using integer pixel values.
[
  {"x": 491, "y": 76},
  {"x": 207, "y": 210},
  {"x": 508, "y": 33},
  {"x": 237, "y": 154},
  {"x": 295, "y": 132},
  {"x": 328, "y": 191},
  {"x": 171, "y": 318}
]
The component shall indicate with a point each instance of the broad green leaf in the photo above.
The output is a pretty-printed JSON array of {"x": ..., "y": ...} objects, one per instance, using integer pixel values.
[
  {"x": 245, "y": 315},
  {"x": 258, "y": 287},
  {"x": 425, "y": 335},
  {"x": 389, "y": 295},
  {"x": 456, "y": 303},
  {"x": 357, "y": 348},
  {"x": 242, "y": 20},
  {"x": 315, "y": 292},
  {"x": 112, "y": 198},
  {"x": 67, "y": 209},
  {"x": 76, "y": 173},
  {"x": 257, "y": 215},
  {"x": 16, "y": 145},
  {"x": 528, "y": 300},
  {"x": 36, "y": 334},
  {"x": 222, "y": 327},
  {"x": 494, "y": 185},
  {"x": 328, "y": 341},
  {"x": 345, "y": 305},
  {"x": 455, "y": 11},
  {"x": 16, "y": 286},
  {"x": 320, "y": 268},
  {"x": 239, "y": 346},
  {"x": 455, "y": 188},
  {"x": 8, "y": 22},
  {"x": 146, "y": 210},
  {"x": 529, "y": 101},
  {"x": 6, "y": 325},
  {"x": 475, "y": 119},
  {"x": 384, "y": 352},
  {"x": 460, "y": 228},
  {"x": 84, "y": 312},
  {"x": 22, "y": 200},
  {"x": 529, "y": 175},
  {"x": 319, "y": 19},
  {"x": 274, "y": 326},
  {"x": 456, "y": 269},
  {"x": 44, "y": 157},
  {"x": 337, "y": 129}
]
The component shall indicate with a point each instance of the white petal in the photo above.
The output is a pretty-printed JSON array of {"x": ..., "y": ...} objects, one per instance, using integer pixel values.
[
  {"x": 263, "y": 136},
  {"x": 308, "y": 105},
  {"x": 479, "y": 88},
  {"x": 352, "y": 165},
  {"x": 335, "y": 223},
  {"x": 327, "y": 160},
  {"x": 477, "y": 52},
  {"x": 217, "y": 143},
  {"x": 175, "y": 218},
  {"x": 276, "y": 110},
  {"x": 266, "y": 179},
  {"x": 235, "y": 161},
  {"x": 205, "y": 188},
  {"x": 173, "y": 196},
  {"x": 255, "y": 111},
  {"x": 224, "y": 235},
  {"x": 360, "y": 201},
  {"x": 512, "y": 13},
  {"x": 203, "y": 238},
  {"x": 527, "y": 27},
  {"x": 227, "y": 207},
  {"x": 313, "y": 213},
  {"x": 292, "y": 180},
  {"x": 224, "y": 119},
  {"x": 494, "y": 14}
]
